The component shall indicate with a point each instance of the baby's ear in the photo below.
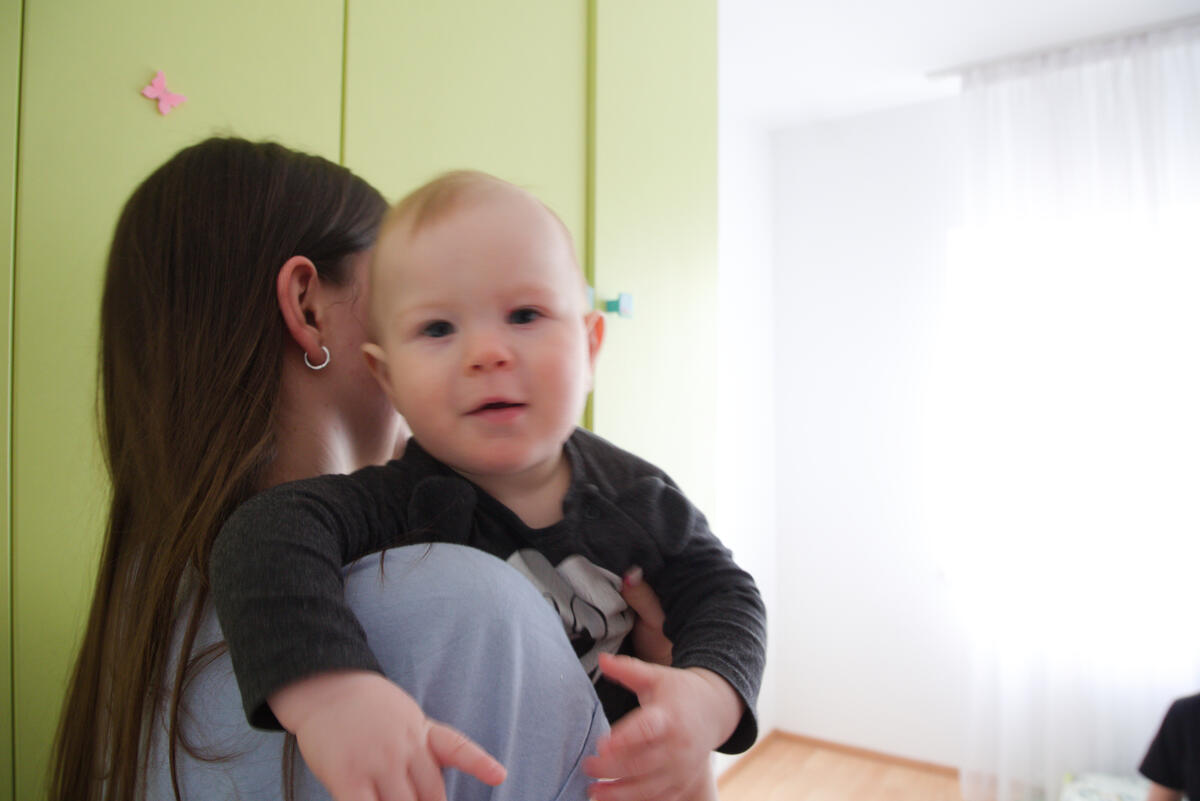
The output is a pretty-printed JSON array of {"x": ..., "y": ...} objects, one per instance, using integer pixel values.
[
  {"x": 594, "y": 323},
  {"x": 377, "y": 364}
]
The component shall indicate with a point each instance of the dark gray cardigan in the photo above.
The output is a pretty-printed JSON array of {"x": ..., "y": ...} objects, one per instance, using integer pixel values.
[{"x": 277, "y": 569}]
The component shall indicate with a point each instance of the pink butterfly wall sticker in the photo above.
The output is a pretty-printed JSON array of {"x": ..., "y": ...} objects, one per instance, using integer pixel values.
[{"x": 157, "y": 90}]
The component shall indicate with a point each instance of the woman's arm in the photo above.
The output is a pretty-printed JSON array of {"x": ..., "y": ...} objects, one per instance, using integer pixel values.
[{"x": 1160, "y": 793}]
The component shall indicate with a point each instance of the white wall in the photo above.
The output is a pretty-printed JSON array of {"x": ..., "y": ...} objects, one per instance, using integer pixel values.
[
  {"x": 745, "y": 512},
  {"x": 744, "y": 516},
  {"x": 867, "y": 651}
]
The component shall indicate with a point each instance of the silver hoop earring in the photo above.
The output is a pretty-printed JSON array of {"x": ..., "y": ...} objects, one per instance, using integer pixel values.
[{"x": 320, "y": 366}]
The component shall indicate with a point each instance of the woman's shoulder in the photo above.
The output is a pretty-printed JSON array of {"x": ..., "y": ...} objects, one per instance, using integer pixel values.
[
  {"x": 365, "y": 488},
  {"x": 387, "y": 477},
  {"x": 1186, "y": 711}
]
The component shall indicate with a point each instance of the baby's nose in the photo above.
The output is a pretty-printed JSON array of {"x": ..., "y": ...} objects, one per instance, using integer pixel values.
[
  {"x": 490, "y": 354},
  {"x": 490, "y": 362}
]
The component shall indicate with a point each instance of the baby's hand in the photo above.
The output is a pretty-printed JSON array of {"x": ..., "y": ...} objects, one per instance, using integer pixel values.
[
  {"x": 366, "y": 739},
  {"x": 660, "y": 750}
]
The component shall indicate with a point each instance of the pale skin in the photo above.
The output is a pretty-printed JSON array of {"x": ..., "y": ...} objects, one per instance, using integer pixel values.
[
  {"x": 1159, "y": 793},
  {"x": 483, "y": 345}
]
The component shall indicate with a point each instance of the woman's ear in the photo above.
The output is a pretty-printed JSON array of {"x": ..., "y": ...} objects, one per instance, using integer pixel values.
[{"x": 296, "y": 292}]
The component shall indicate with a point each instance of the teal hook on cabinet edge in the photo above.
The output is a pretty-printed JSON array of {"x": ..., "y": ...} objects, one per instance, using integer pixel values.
[{"x": 623, "y": 305}]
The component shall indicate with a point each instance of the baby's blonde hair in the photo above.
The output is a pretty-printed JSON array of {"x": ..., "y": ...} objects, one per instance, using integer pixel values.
[{"x": 438, "y": 199}]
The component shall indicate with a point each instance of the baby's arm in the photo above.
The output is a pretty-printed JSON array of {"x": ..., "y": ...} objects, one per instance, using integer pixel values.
[
  {"x": 276, "y": 574},
  {"x": 365, "y": 738},
  {"x": 300, "y": 655},
  {"x": 716, "y": 622},
  {"x": 713, "y": 613}
]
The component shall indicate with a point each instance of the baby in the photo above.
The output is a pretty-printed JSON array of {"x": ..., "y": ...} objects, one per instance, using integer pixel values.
[{"x": 483, "y": 342}]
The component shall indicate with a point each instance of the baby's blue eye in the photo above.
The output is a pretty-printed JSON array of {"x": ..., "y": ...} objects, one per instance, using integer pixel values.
[
  {"x": 438, "y": 328},
  {"x": 523, "y": 316}
]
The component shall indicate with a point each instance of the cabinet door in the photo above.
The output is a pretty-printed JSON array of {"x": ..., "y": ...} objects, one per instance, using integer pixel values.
[
  {"x": 10, "y": 79},
  {"x": 655, "y": 232},
  {"x": 500, "y": 87},
  {"x": 255, "y": 68}
]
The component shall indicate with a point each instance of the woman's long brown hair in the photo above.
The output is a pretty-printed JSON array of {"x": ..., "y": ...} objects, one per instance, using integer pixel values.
[{"x": 191, "y": 348}]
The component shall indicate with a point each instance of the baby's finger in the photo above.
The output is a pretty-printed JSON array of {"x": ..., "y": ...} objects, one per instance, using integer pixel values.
[
  {"x": 393, "y": 782},
  {"x": 426, "y": 778},
  {"x": 452, "y": 749},
  {"x": 632, "y": 673},
  {"x": 627, "y": 764},
  {"x": 364, "y": 791},
  {"x": 638, "y": 730},
  {"x": 399, "y": 789},
  {"x": 656, "y": 787}
]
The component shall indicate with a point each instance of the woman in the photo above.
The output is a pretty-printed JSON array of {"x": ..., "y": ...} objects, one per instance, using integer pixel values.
[
  {"x": 230, "y": 331},
  {"x": 1172, "y": 761}
]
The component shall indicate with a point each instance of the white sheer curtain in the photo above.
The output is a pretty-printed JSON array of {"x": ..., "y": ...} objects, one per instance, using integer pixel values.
[{"x": 1064, "y": 447}]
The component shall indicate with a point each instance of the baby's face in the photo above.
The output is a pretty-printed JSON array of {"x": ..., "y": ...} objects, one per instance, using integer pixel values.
[{"x": 486, "y": 345}]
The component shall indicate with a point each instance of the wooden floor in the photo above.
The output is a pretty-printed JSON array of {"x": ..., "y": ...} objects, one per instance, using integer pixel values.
[{"x": 784, "y": 767}]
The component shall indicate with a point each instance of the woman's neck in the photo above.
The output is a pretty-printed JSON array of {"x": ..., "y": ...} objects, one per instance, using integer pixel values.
[
  {"x": 304, "y": 452},
  {"x": 315, "y": 435},
  {"x": 309, "y": 440}
]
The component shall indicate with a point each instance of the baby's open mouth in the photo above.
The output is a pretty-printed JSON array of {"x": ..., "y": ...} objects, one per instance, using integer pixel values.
[{"x": 496, "y": 406}]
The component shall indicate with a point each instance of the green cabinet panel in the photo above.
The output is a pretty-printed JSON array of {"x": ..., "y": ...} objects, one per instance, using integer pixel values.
[
  {"x": 604, "y": 108},
  {"x": 10, "y": 82},
  {"x": 255, "y": 68},
  {"x": 500, "y": 87},
  {"x": 655, "y": 221}
]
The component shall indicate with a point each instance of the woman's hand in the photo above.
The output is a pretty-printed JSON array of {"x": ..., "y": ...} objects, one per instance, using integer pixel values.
[
  {"x": 649, "y": 642},
  {"x": 366, "y": 739}
]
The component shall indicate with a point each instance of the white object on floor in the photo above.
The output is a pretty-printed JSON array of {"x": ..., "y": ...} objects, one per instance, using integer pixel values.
[{"x": 1101, "y": 787}]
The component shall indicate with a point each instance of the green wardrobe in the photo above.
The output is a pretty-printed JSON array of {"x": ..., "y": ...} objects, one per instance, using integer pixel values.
[{"x": 604, "y": 108}]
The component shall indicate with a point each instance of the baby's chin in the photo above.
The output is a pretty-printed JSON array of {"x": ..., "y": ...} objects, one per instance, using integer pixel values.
[
  {"x": 501, "y": 467},
  {"x": 501, "y": 463}
]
